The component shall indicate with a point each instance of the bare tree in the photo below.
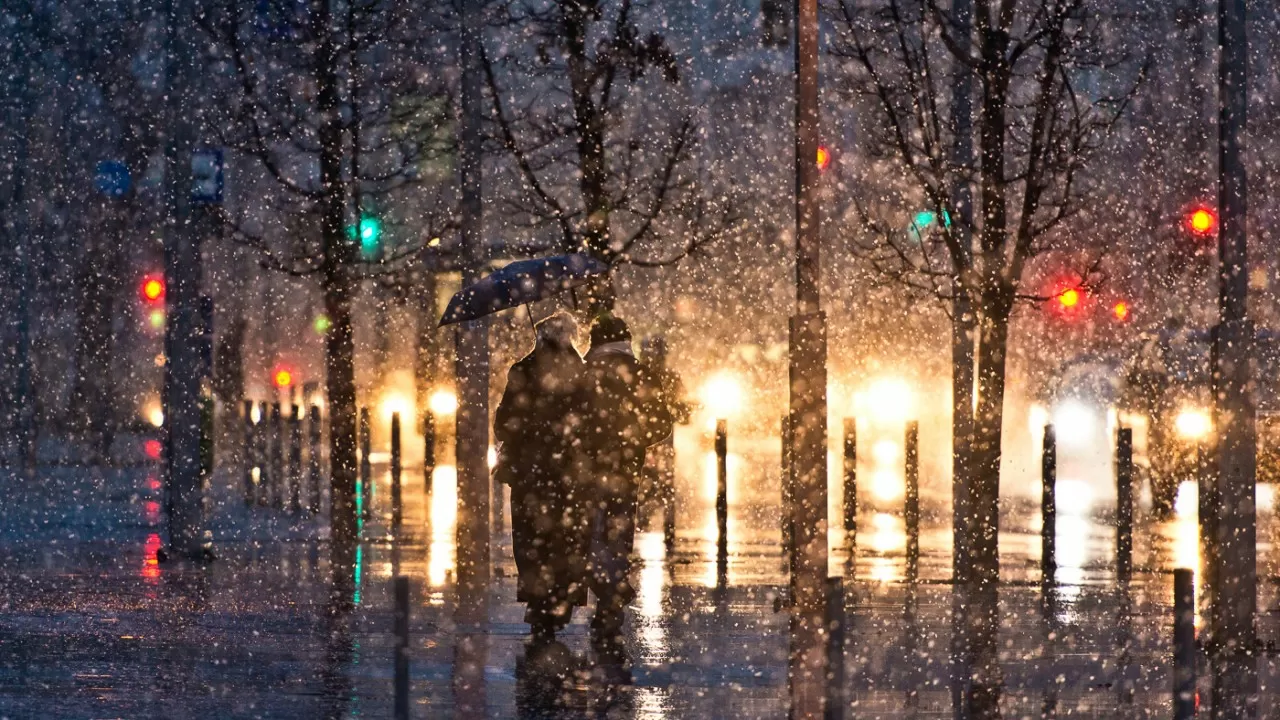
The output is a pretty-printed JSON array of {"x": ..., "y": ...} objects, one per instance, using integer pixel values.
[
  {"x": 1048, "y": 94},
  {"x": 599, "y": 131},
  {"x": 343, "y": 107}
]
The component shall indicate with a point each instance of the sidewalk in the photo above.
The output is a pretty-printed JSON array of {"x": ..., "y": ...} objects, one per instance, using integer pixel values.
[{"x": 92, "y": 626}]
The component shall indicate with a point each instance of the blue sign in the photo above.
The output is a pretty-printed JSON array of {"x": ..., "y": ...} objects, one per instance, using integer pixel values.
[{"x": 112, "y": 178}]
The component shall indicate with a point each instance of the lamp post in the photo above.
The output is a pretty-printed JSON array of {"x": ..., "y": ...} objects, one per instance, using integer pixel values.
[
  {"x": 1235, "y": 685},
  {"x": 808, "y": 394}
]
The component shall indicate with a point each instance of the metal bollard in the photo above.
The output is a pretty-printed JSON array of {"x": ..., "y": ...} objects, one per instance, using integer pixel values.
[
  {"x": 397, "y": 508},
  {"x": 1048, "y": 508},
  {"x": 851, "y": 485},
  {"x": 428, "y": 451},
  {"x": 835, "y": 622},
  {"x": 262, "y": 443},
  {"x": 277, "y": 457},
  {"x": 788, "y": 535},
  {"x": 1184, "y": 644},
  {"x": 1124, "y": 503},
  {"x": 248, "y": 456},
  {"x": 402, "y": 648},
  {"x": 722, "y": 499},
  {"x": 295, "y": 460},
  {"x": 911, "y": 503},
  {"x": 366, "y": 464},
  {"x": 313, "y": 459}
]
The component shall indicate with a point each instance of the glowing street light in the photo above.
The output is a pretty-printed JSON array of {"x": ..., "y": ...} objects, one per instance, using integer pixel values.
[{"x": 443, "y": 403}]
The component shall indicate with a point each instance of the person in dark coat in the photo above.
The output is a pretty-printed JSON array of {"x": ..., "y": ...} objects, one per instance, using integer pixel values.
[
  {"x": 624, "y": 417},
  {"x": 535, "y": 431}
]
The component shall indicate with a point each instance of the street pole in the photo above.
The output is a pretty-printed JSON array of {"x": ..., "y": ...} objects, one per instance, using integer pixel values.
[
  {"x": 962, "y": 348},
  {"x": 1235, "y": 664},
  {"x": 183, "y": 356},
  {"x": 808, "y": 394},
  {"x": 472, "y": 436},
  {"x": 21, "y": 410}
]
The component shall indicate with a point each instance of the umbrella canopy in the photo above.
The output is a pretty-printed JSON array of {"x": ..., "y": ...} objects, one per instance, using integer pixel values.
[{"x": 520, "y": 283}]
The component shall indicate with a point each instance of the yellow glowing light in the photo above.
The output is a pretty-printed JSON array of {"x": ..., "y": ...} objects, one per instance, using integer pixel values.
[
  {"x": 444, "y": 516},
  {"x": 443, "y": 402},
  {"x": 155, "y": 416},
  {"x": 160, "y": 360},
  {"x": 255, "y": 413},
  {"x": 1069, "y": 298},
  {"x": 393, "y": 403},
  {"x": 886, "y": 485},
  {"x": 1193, "y": 423},
  {"x": 887, "y": 400},
  {"x": 1265, "y": 497},
  {"x": 283, "y": 378},
  {"x": 722, "y": 396},
  {"x": 492, "y": 457},
  {"x": 886, "y": 452}
]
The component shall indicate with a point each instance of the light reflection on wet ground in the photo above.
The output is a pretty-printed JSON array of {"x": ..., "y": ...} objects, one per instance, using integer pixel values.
[{"x": 92, "y": 624}]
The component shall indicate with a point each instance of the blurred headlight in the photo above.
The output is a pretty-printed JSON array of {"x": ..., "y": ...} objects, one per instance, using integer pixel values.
[{"x": 1193, "y": 423}]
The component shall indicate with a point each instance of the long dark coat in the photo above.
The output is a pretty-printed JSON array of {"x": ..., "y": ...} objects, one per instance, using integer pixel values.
[
  {"x": 625, "y": 416},
  {"x": 535, "y": 428}
]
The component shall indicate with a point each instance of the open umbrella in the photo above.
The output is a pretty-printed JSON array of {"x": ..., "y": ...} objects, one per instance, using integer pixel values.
[{"x": 520, "y": 283}]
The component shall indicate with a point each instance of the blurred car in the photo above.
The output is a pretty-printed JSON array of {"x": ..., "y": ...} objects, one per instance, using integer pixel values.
[{"x": 1168, "y": 383}]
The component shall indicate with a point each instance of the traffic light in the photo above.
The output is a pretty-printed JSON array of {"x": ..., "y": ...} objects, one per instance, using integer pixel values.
[
  {"x": 1120, "y": 310},
  {"x": 322, "y": 324},
  {"x": 369, "y": 233},
  {"x": 1201, "y": 220},
  {"x": 824, "y": 157},
  {"x": 282, "y": 378},
  {"x": 1069, "y": 298},
  {"x": 152, "y": 288}
]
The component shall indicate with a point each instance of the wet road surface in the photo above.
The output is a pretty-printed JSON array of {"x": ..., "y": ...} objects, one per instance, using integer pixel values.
[{"x": 93, "y": 625}]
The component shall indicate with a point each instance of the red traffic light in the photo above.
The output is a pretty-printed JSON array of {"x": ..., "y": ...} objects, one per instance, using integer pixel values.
[
  {"x": 152, "y": 288},
  {"x": 1202, "y": 221},
  {"x": 1069, "y": 298},
  {"x": 824, "y": 157},
  {"x": 1120, "y": 310},
  {"x": 282, "y": 378}
]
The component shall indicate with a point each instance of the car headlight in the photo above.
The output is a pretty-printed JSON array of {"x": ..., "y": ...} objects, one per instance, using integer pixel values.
[{"x": 1193, "y": 423}]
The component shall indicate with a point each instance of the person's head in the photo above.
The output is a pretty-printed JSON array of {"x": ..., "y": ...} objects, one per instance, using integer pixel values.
[
  {"x": 609, "y": 329},
  {"x": 558, "y": 330}
]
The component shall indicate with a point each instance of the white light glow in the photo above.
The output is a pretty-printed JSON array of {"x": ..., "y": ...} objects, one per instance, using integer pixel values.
[
  {"x": 1073, "y": 422},
  {"x": 1193, "y": 423},
  {"x": 722, "y": 396},
  {"x": 443, "y": 403},
  {"x": 886, "y": 400},
  {"x": 886, "y": 485},
  {"x": 155, "y": 416}
]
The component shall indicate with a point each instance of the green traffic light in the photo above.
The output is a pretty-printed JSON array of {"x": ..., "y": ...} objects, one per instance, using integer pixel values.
[
  {"x": 924, "y": 219},
  {"x": 322, "y": 324},
  {"x": 369, "y": 233}
]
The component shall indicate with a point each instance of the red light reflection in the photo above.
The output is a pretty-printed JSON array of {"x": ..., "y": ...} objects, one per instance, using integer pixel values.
[
  {"x": 150, "y": 559},
  {"x": 152, "y": 449},
  {"x": 151, "y": 511}
]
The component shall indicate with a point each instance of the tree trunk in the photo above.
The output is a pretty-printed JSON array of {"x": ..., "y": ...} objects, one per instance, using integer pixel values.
[
  {"x": 984, "y": 552},
  {"x": 95, "y": 317},
  {"x": 339, "y": 290},
  {"x": 589, "y": 126}
]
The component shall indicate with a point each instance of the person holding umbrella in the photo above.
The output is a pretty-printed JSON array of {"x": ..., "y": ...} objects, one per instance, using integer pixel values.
[
  {"x": 624, "y": 416},
  {"x": 535, "y": 427}
]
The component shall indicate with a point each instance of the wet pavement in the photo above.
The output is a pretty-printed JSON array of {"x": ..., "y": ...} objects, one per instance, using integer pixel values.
[{"x": 94, "y": 625}]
